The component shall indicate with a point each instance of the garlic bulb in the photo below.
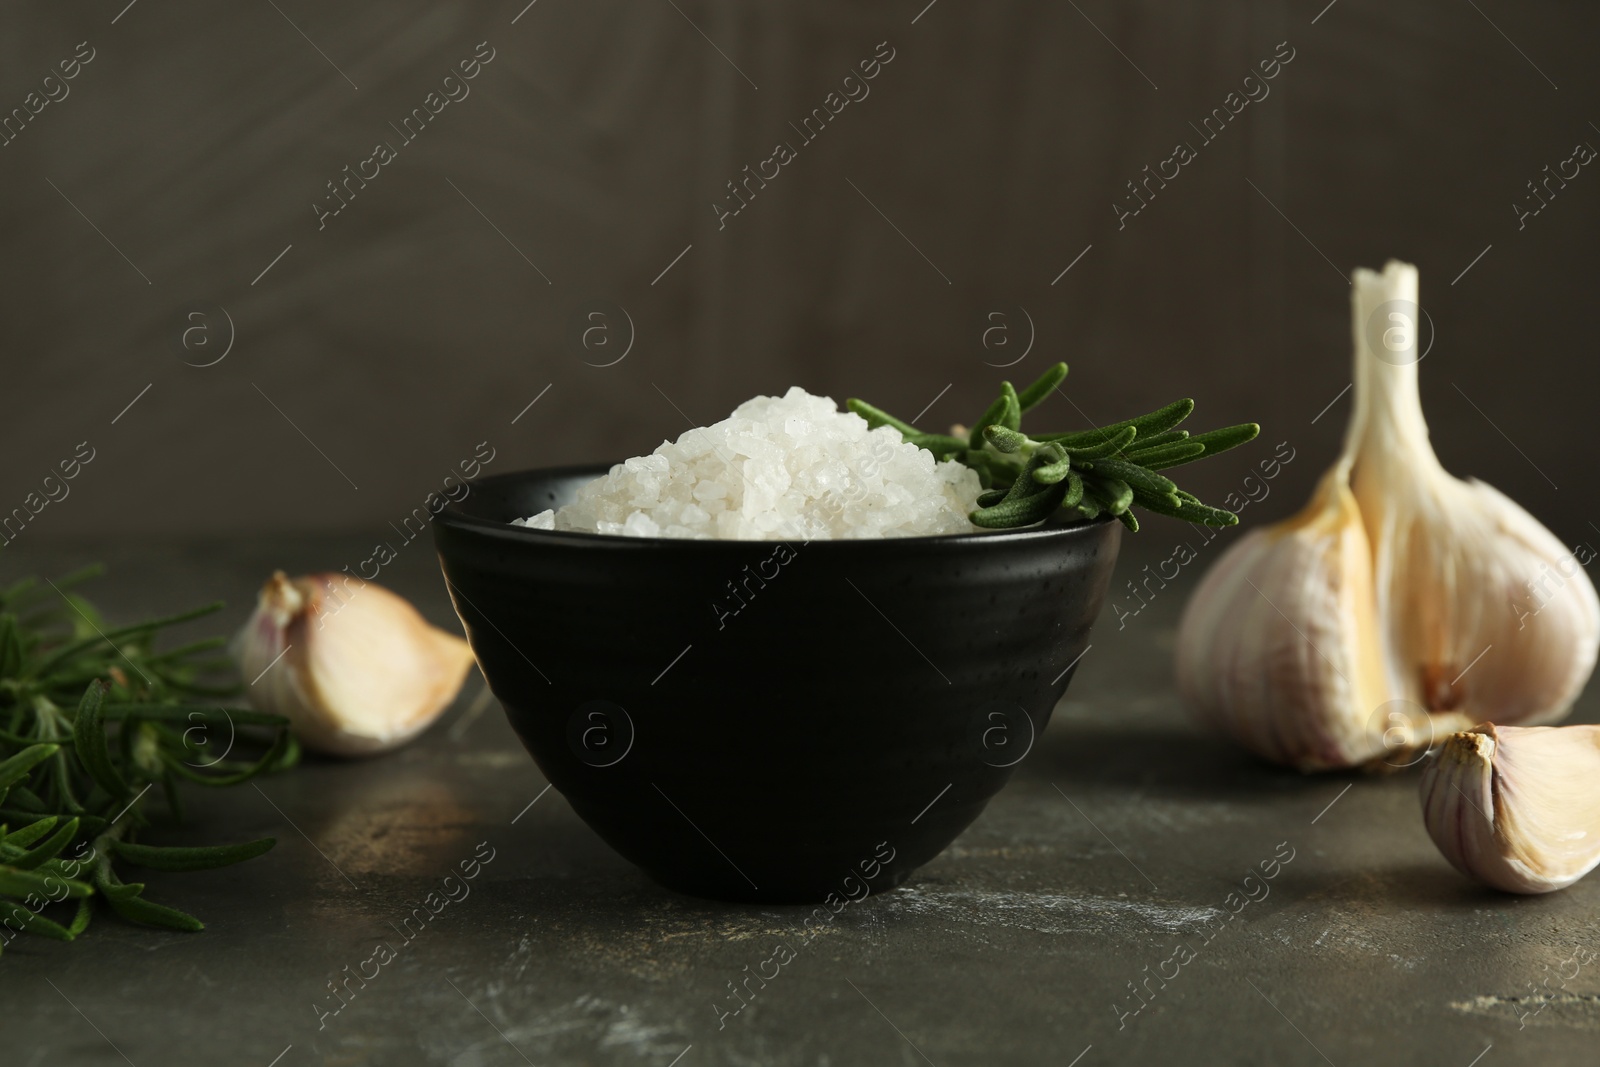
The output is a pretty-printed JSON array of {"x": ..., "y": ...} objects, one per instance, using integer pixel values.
[
  {"x": 1385, "y": 613},
  {"x": 1517, "y": 808},
  {"x": 354, "y": 667}
]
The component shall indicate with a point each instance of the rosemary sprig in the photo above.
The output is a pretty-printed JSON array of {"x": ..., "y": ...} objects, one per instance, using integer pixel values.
[
  {"x": 91, "y": 720},
  {"x": 1106, "y": 470}
]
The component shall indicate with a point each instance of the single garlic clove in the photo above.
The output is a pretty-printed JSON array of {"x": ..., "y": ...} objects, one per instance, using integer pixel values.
[
  {"x": 1482, "y": 609},
  {"x": 1517, "y": 808},
  {"x": 1278, "y": 645},
  {"x": 354, "y": 667}
]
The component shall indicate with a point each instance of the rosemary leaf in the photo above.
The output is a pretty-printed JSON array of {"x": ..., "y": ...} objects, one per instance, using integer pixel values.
[
  {"x": 1112, "y": 494},
  {"x": 89, "y": 731},
  {"x": 1208, "y": 516},
  {"x": 1042, "y": 386},
  {"x": 1110, "y": 446},
  {"x": 19, "y": 917},
  {"x": 1165, "y": 437},
  {"x": 16, "y": 768},
  {"x": 1226, "y": 438},
  {"x": 1074, "y": 490},
  {"x": 266, "y": 762},
  {"x": 27, "y": 835},
  {"x": 1132, "y": 473},
  {"x": 11, "y": 650},
  {"x": 1161, "y": 420},
  {"x": 137, "y": 909},
  {"x": 1004, "y": 441},
  {"x": 876, "y": 417},
  {"x": 191, "y": 859},
  {"x": 17, "y": 882},
  {"x": 49, "y": 850},
  {"x": 1011, "y": 414},
  {"x": 1051, "y": 473},
  {"x": 941, "y": 445},
  {"x": 1162, "y": 456},
  {"x": 126, "y": 901},
  {"x": 80, "y": 921},
  {"x": 1020, "y": 511}
]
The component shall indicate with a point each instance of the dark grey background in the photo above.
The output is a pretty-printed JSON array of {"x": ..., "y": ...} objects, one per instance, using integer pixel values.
[{"x": 596, "y": 141}]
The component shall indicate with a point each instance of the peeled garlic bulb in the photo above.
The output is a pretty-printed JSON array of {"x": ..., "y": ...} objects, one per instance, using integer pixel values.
[
  {"x": 1517, "y": 808},
  {"x": 1386, "y": 613},
  {"x": 354, "y": 667}
]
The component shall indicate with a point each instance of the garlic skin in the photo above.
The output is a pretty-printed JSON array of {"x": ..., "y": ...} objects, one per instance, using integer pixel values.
[
  {"x": 1517, "y": 808},
  {"x": 1384, "y": 615},
  {"x": 361, "y": 672}
]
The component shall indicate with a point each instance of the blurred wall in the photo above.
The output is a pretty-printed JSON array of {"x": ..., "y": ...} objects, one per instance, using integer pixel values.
[{"x": 142, "y": 206}]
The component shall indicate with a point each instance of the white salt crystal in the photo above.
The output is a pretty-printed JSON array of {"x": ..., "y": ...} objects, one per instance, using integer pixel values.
[
  {"x": 641, "y": 525},
  {"x": 545, "y": 520},
  {"x": 793, "y": 467}
]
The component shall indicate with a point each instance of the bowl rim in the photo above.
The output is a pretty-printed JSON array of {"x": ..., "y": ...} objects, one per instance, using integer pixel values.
[{"x": 455, "y": 516}]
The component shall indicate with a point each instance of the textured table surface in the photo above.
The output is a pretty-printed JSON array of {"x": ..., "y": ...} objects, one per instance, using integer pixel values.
[{"x": 1118, "y": 841}]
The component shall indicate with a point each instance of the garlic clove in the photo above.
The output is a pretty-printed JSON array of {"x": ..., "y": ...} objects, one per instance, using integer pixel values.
[
  {"x": 354, "y": 667},
  {"x": 1517, "y": 808},
  {"x": 1279, "y": 641},
  {"x": 1402, "y": 604}
]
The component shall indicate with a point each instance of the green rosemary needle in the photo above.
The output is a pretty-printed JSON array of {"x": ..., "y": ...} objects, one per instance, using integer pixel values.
[
  {"x": 1105, "y": 470},
  {"x": 92, "y": 719}
]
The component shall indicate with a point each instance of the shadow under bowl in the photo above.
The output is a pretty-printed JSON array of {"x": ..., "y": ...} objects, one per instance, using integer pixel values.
[{"x": 767, "y": 720}]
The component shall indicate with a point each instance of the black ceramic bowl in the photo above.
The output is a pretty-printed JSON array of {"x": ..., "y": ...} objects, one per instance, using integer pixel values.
[{"x": 754, "y": 720}]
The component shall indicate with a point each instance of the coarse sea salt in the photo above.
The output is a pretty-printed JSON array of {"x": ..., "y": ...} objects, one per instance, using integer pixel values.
[{"x": 793, "y": 467}]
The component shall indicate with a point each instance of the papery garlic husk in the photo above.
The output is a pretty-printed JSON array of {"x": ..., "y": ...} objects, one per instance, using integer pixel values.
[
  {"x": 354, "y": 667},
  {"x": 1517, "y": 808},
  {"x": 1402, "y": 604}
]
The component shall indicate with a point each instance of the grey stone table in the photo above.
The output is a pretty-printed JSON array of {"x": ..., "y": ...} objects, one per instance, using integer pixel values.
[{"x": 1119, "y": 840}]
